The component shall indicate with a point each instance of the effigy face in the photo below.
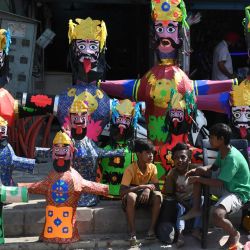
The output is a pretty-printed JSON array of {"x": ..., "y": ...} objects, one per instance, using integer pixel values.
[
  {"x": 87, "y": 52},
  {"x": 124, "y": 114},
  {"x": 3, "y": 132},
  {"x": 166, "y": 33},
  {"x": 98, "y": 108},
  {"x": 79, "y": 121},
  {"x": 241, "y": 119},
  {"x": 179, "y": 121}
]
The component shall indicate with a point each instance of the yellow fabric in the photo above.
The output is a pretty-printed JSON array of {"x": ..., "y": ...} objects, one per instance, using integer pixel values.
[
  {"x": 240, "y": 96},
  {"x": 88, "y": 29},
  {"x": 78, "y": 106},
  {"x": 3, "y": 122},
  {"x": 133, "y": 175},
  {"x": 64, "y": 227},
  {"x": 62, "y": 138},
  {"x": 2, "y": 39}
]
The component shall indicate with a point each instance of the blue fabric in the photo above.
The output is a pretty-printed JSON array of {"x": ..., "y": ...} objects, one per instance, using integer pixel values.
[
  {"x": 10, "y": 162},
  {"x": 202, "y": 87},
  {"x": 180, "y": 224}
]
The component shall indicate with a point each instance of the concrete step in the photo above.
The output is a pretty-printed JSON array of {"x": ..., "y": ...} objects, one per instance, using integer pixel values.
[
  {"x": 216, "y": 238},
  {"x": 27, "y": 219}
]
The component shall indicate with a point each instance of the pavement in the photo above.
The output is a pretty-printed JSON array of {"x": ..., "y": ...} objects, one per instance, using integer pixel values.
[{"x": 101, "y": 227}]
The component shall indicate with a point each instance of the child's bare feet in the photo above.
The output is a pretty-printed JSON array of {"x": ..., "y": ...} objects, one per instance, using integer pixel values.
[{"x": 191, "y": 214}]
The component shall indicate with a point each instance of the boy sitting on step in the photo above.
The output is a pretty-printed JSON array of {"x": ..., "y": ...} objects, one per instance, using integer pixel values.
[
  {"x": 230, "y": 180},
  {"x": 140, "y": 187},
  {"x": 177, "y": 186}
]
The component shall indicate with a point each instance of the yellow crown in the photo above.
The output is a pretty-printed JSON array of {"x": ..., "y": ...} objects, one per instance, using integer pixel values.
[
  {"x": 78, "y": 106},
  {"x": 2, "y": 39},
  {"x": 62, "y": 138},
  {"x": 240, "y": 96},
  {"x": 3, "y": 122},
  {"x": 166, "y": 10},
  {"x": 88, "y": 29},
  {"x": 125, "y": 107}
]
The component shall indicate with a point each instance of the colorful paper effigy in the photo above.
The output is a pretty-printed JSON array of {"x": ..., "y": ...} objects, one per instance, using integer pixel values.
[
  {"x": 240, "y": 109},
  {"x": 123, "y": 127},
  {"x": 87, "y": 39},
  {"x": 5, "y": 41},
  {"x": 155, "y": 86},
  {"x": 9, "y": 162},
  {"x": 87, "y": 152},
  {"x": 62, "y": 189},
  {"x": 180, "y": 114}
]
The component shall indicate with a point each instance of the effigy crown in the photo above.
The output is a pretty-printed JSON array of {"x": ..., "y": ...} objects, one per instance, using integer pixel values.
[
  {"x": 240, "y": 96},
  {"x": 169, "y": 10},
  {"x": 62, "y": 138},
  {"x": 78, "y": 106},
  {"x": 88, "y": 29}
]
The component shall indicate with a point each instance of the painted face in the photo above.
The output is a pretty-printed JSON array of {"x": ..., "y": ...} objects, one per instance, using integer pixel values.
[
  {"x": 62, "y": 156},
  {"x": 123, "y": 122},
  {"x": 176, "y": 116},
  {"x": 181, "y": 160},
  {"x": 79, "y": 121},
  {"x": 241, "y": 119},
  {"x": 3, "y": 132},
  {"x": 87, "y": 52},
  {"x": 167, "y": 35}
]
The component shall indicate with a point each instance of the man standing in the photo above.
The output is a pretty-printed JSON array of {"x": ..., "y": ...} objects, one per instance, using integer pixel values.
[{"x": 222, "y": 61}]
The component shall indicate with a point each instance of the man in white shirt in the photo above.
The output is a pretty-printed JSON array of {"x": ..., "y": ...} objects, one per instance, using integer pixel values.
[{"x": 222, "y": 61}]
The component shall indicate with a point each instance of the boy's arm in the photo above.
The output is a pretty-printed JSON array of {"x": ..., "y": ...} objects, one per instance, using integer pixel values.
[
  {"x": 205, "y": 181},
  {"x": 169, "y": 187},
  {"x": 205, "y": 171}
]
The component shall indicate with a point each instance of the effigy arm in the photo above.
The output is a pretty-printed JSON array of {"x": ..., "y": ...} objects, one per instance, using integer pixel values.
[
  {"x": 208, "y": 87},
  {"x": 216, "y": 102},
  {"x": 91, "y": 187},
  {"x": 103, "y": 153},
  {"x": 121, "y": 89}
]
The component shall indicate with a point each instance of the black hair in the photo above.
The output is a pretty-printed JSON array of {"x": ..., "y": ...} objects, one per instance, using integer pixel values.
[
  {"x": 221, "y": 130},
  {"x": 181, "y": 146},
  {"x": 143, "y": 145}
]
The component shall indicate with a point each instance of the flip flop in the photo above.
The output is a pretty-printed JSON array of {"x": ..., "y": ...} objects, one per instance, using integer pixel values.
[{"x": 134, "y": 242}]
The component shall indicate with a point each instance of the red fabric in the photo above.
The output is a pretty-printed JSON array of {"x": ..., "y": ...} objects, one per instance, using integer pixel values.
[{"x": 7, "y": 106}]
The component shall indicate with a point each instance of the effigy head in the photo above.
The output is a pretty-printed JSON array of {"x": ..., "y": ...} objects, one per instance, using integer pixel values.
[
  {"x": 181, "y": 111},
  {"x": 125, "y": 114},
  {"x": 78, "y": 118},
  {"x": 3, "y": 129},
  {"x": 87, "y": 39},
  {"x": 240, "y": 107},
  {"x": 166, "y": 15},
  {"x": 62, "y": 152}
]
